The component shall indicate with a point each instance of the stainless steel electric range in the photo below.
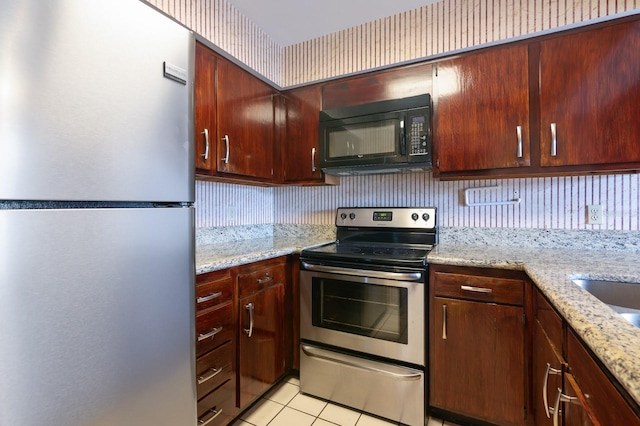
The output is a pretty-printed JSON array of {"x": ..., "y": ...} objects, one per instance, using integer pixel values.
[{"x": 363, "y": 312}]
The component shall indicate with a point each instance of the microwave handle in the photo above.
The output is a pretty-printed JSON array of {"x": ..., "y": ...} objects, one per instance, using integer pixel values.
[{"x": 403, "y": 139}]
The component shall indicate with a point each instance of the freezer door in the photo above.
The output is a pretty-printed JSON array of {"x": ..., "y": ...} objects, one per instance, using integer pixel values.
[
  {"x": 97, "y": 317},
  {"x": 86, "y": 109}
]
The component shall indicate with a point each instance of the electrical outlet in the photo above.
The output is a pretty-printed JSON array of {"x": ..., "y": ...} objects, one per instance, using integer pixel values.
[{"x": 594, "y": 214}]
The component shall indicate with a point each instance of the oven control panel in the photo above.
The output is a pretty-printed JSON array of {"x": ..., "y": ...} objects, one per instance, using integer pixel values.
[{"x": 388, "y": 217}]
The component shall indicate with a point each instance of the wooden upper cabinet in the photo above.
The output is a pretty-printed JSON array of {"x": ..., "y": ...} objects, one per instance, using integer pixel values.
[
  {"x": 205, "y": 110},
  {"x": 378, "y": 86},
  {"x": 482, "y": 118},
  {"x": 590, "y": 93},
  {"x": 245, "y": 123},
  {"x": 300, "y": 144}
]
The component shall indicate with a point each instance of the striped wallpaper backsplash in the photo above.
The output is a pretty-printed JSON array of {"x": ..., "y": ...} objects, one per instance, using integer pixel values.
[
  {"x": 449, "y": 25},
  {"x": 545, "y": 203}
]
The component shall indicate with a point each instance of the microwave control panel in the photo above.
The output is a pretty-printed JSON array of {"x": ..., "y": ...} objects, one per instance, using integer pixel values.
[{"x": 418, "y": 134}]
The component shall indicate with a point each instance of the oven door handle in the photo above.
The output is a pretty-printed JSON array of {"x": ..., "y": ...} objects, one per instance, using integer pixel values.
[
  {"x": 398, "y": 276},
  {"x": 361, "y": 364}
]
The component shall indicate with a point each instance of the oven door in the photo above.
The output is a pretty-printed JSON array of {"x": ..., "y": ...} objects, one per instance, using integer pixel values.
[{"x": 372, "y": 312}]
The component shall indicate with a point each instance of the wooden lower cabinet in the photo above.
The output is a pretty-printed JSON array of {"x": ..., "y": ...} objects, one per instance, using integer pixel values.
[
  {"x": 548, "y": 364},
  {"x": 477, "y": 347},
  {"x": 261, "y": 340},
  {"x": 568, "y": 379},
  {"x": 215, "y": 348}
]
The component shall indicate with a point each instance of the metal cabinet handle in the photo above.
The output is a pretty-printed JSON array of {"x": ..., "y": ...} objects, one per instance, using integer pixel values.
[
  {"x": 556, "y": 407},
  {"x": 554, "y": 140},
  {"x": 213, "y": 412},
  {"x": 212, "y": 333},
  {"x": 226, "y": 144},
  {"x": 475, "y": 289},
  {"x": 212, "y": 372},
  {"x": 444, "y": 322},
  {"x": 313, "y": 160},
  {"x": 209, "y": 297},
  {"x": 264, "y": 280},
  {"x": 519, "y": 135},
  {"x": 206, "y": 144},
  {"x": 550, "y": 370},
  {"x": 249, "y": 331}
]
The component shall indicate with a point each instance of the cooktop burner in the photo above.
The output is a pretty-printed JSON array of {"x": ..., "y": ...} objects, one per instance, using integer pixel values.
[{"x": 380, "y": 236}]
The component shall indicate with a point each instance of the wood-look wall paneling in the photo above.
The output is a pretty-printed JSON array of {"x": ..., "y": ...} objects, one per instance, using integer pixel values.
[
  {"x": 545, "y": 203},
  {"x": 434, "y": 29},
  {"x": 222, "y": 24}
]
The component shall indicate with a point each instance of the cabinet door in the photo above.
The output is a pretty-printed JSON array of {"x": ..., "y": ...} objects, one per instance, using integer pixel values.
[
  {"x": 300, "y": 145},
  {"x": 245, "y": 123},
  {"x": 482, "y": 111},
  {"x": 572, "y": 409},
  {"x": 261, "y": 342},
  {"x": 589, "y": 91},
  {"x": 477, "y": 365},
  {"x": 547, "y": 376},
  {"x": 205, "y": 110}
]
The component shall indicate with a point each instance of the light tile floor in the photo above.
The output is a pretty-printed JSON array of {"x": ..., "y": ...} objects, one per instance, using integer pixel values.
[{"x": 284, "y": 405}]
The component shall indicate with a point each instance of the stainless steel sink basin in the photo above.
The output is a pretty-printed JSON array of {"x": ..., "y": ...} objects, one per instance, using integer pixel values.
[{"x": 624, "y": 298}]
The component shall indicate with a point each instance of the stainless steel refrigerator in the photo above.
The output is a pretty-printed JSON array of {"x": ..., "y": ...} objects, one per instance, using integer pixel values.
[{"x": 96, "y": 215}]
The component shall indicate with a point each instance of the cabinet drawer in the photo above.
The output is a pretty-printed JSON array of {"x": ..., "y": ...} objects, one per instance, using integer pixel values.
[
  {"x": 604, "y": 401},
  {"x": 213, "y": 289},
  {"x": 255, "y": 280},
  {"x": 479, "y": 288},
  {"x": 219, "y": 406},
  {"x": 213, "y": 328},
  {"x": 214, "y": 368}
]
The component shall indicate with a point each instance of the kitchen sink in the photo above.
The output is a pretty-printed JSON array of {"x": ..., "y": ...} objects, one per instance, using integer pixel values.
[{"x": 624, "y": 298}]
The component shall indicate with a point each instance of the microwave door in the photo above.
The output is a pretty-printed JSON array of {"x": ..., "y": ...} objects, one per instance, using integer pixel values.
[{"x": 363, "y": 141}]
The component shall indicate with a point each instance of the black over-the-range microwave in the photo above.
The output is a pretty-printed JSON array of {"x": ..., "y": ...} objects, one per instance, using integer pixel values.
[{"x": 382, "y": 137}]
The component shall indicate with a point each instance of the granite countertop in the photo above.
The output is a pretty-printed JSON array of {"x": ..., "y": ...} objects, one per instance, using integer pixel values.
[
  {"x": 614, "y": 340},
  {"x": 212, "y": 257}
]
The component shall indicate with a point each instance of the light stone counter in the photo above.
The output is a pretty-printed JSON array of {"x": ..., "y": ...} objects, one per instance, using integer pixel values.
[
  {"x": 211, "y": 257},
  {"x": 614, "y": 340}
]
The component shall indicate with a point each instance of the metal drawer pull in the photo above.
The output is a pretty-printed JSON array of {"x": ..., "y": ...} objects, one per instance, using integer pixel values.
[
  {"x": 213, "y": 372},
  {"x": 519, "y": 135},
  {"x": 475, "y": 289},
  {"x": 209, "y": 297},
  {"x": 550, "y": 370},
  {"x": 249, "y": 331},
  {"x": 556, "y": 408},
  {"x": 554, "y": 140},
  {"x": 264, "y": 280},
  {"x": 212, "y": 333},
  {"x": 206, "y": 144},
  {"x": 313, "y": 160},
  {"x": 214, "y": 414},
  {"x": 444, "y": 322},
  {"x": 226, "y": 144}
]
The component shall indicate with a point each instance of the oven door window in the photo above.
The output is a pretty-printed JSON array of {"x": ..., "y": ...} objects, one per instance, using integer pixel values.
[{"x": 375, "y": 311}]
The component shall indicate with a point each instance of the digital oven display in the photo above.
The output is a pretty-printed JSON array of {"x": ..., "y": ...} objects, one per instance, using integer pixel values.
[{"x": 382, "y": 216}]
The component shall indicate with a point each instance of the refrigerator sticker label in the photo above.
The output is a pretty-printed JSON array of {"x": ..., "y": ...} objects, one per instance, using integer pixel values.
[{"x": 175, "y": 73}]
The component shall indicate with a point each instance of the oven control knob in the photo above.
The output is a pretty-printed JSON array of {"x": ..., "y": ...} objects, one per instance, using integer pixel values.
[
  {"x": 343, "y": 216},
  {"x": 414, "y": 216},
  {"x": 425, "y": 216},
  {"x": 352, "y": 216}
]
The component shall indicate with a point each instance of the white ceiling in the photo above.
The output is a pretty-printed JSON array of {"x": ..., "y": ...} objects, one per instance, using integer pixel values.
[{"x": 293, "y": 21}]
